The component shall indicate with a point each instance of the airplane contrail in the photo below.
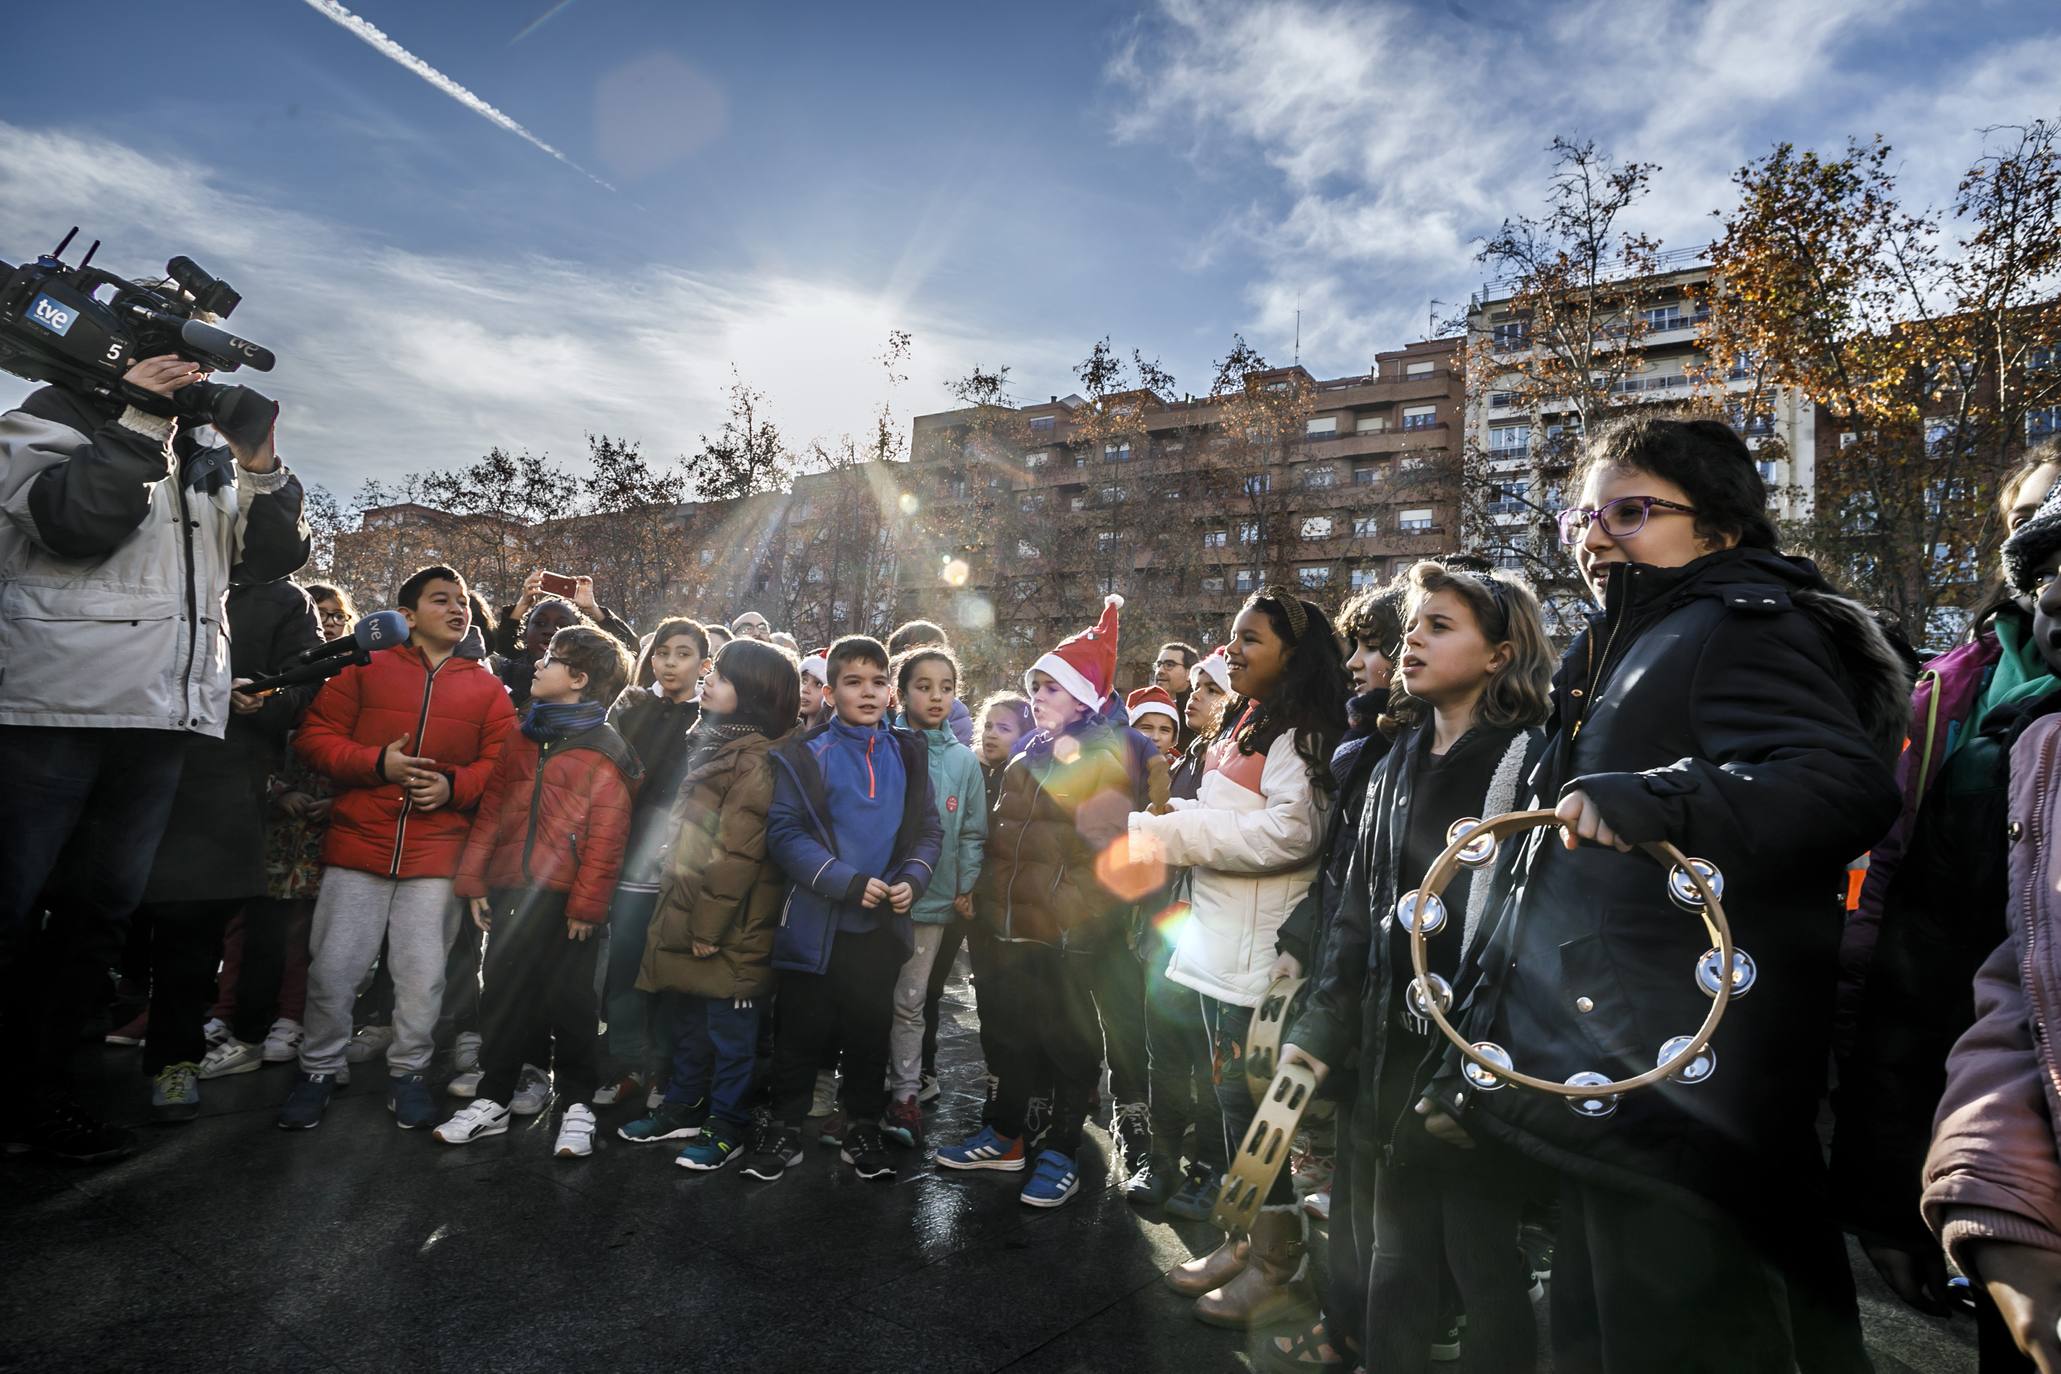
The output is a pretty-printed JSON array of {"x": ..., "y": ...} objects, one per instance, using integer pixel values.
[
  {"x": 538, "y": 22},
  {"x": 371, "y": 34}
]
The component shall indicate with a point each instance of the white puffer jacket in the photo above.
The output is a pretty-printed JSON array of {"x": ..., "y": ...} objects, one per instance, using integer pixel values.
[{"x": 1251, "y": 838}]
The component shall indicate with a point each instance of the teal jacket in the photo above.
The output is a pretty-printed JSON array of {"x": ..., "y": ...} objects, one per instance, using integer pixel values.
[{"x": 962, "y": 808}]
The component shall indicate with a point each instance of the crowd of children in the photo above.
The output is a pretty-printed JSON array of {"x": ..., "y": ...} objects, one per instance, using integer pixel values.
[{"x": 755, "y": 868}]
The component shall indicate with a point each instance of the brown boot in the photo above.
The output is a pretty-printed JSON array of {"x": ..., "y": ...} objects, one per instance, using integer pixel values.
[
  {"x": 1213, "y": 1270},
  {"x": 1273, "y": 1287}
]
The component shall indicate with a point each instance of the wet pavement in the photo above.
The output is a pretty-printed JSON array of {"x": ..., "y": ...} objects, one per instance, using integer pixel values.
[{"x": 229, "y": 1245}]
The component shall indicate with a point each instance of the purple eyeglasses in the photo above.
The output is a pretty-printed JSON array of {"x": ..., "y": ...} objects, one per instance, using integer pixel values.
[{"x": 1622, "y": 518}]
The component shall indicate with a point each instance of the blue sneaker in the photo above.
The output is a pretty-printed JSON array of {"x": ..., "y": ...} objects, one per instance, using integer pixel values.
[
  {"x": 407, "y": 1097},
  {"x": 990, "y": 1149},
  {"x": 666, "y": 1121},
  {"x": 709, "y": 1151},
  {"x": 1052, "y": 1182},
  {"x": 304, "y": 1104}
]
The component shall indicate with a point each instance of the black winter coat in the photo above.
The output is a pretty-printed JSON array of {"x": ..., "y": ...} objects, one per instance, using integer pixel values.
[
  {"x": 1738, "y": 708},
  {"x": 656, "y": 729},
  {"x": 214, "y": 844},
  {"x": 1308, "y": 927}
]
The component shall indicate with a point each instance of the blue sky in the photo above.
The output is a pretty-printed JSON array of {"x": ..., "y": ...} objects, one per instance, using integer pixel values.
[{"x": 1008, "y": 183}]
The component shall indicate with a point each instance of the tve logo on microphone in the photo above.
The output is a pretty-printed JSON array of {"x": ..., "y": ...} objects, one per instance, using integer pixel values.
[{"x": 52, "y": 315}]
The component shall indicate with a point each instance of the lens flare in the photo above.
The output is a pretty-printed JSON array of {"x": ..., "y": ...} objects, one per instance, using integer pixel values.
[
  {"x": 909, "y": 503},
  {"x": 956, "y": 572},
  {"x": 1130, "y": 878}
]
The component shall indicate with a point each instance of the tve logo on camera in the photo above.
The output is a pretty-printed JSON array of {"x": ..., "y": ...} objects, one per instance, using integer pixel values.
[{"x": 52, "y": 315}]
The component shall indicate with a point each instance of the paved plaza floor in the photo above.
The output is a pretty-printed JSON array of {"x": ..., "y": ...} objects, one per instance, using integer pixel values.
[{"x": 229, "y": 1245}]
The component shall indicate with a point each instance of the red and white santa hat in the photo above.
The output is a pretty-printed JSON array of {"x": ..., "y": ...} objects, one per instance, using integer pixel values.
[
  {"x": 1217, "y": 668},
  {"x": 817, "y": 666},
  {"x": 1084, "y": 664},
  {"x": 1149, "y": 701}
]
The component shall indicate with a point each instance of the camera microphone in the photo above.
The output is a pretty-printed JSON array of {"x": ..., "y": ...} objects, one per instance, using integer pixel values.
[
  {"x": 220, "y": 344},
  {"x": 380, "y": 630}
]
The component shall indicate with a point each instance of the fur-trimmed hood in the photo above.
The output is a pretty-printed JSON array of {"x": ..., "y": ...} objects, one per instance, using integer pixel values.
[{"x": 1878, "y": 679}]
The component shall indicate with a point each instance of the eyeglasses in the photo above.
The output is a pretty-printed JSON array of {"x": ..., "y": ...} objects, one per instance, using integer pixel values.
[
  {"x": 335, "y": 618},
  {"x": 1621, "y": 519}
]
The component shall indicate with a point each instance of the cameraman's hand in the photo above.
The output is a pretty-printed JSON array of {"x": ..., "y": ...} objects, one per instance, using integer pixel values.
[
  {"x": 163, "y": 374},
  {"x": 263, "y": 458},
  {"x": 244, "y": 703},
  {"x": 583, "y": 597}
]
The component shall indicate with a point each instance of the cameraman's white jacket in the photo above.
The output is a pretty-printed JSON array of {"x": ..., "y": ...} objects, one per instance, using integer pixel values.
[
  {"x": 1251, "y": 839},
  {"x": 114, "y": 563}
]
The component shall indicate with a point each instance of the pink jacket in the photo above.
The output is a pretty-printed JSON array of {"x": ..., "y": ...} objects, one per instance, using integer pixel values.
[{"x": 1994, "y": 1170}]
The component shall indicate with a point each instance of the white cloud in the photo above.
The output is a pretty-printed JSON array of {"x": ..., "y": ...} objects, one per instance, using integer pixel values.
[
  {"x": 1390, "y": 138},
  {"x": 393, "y": 360}
]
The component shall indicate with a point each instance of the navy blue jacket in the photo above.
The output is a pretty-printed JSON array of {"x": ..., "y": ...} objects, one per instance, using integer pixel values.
[{"x": 801, "y": 836}]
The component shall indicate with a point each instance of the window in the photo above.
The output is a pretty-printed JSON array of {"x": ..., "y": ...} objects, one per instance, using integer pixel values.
[
  {"x": 1414, "y": 521},
  {"x": 1247, "y": 580},
  {"x": 1767, "y": 472},
  {"x": 1511, "y": 335},
  {"x": 1077, "y": 501},
  {"x": 1026, "y": 549},
  {"x": 1365, "y": 527},
  {"x": 2042, "y": 422},
  {"x": 1419, "y": 417},
  {"x": 1370, "y": 424},
  {"x": 1363, "y": 578},
  {"x": 1118, "y": 452},
  {"x": 1509, "y": 438},
  {"x": 1366, "y": 474},
  {"x": 1317, "y": 527},
  {"x": 1038, "y": 458},
  {"x": 1939, "y": 435},
  {"x": 1665, "y": 317},
  {"x": 1319, "y": 576},
  {"x": 1106, "y": 541},
  {"x": 1424, "y": 369},
  {"x": 1248, "y": 531},
  {"x": 1324, "y": 427},
  {"x": 1041, "y": 424},
  {"x": 1322, "y": 475},
  {"x": 1502, "y": 400},
  {"x": 1030, "y": 500},
  {"x": 1259, "y": 484},
  {"x": 1112, "y": 496},
  {"x": 708, "y": 556},
  {"x": 1212, "y": 584},
  {"x": 1215, "y": 539},
  {"x": 1506, "y": 498},
  {"x": 1080, "y": 460}
]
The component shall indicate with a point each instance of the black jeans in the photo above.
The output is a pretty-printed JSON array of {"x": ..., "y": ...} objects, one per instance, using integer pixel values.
[
  {"x": 81, "y": 812},
  {"x": 185, "y": 950},
  {"x": 1046, "y": 1035},
  {"x": 538, "y": 983},
  {"x": 1119, "y": 987},
  {"x": 1461, "y": 1218},
  {"x": 850, "y": 1005}
]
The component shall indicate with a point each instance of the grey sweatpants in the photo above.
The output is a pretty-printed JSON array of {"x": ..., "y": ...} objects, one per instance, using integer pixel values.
[
  {"x": 905, "y": 1037},
  {"x": 418, "y": 918}
]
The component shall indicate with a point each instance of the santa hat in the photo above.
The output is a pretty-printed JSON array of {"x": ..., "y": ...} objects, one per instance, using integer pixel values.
[
  {"x": 1084, "y": 664},
  {"x": 1147, "y": 700},
  {"x": 1217, "y": 669},
  {"x": 817, "y": 666}
]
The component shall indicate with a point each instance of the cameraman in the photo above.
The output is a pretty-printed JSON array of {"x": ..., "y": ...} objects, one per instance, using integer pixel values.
[{"x": 119, "y": 535}]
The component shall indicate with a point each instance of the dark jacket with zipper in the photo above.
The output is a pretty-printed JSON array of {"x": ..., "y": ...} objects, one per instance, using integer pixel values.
[
  {"x": 1738, "y": 708},
  {"x": 657, "y": 728},
  {"x": 801, "y": 831},
  {"x": 454, "y": 714},
  {"x": 554, "y": 817},
  {"x": 214, "y": 843},
  {"x": 1308, "y": 927}
]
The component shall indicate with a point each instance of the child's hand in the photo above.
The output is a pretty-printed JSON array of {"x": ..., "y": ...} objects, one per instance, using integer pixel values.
[
  {"x": 875, "y": 894},
  {"x": 429, "y": 791},
  {"x": 963, "y": 904},
  {"x": 402, "y": 768},
  {"x": 901, "y": 896},
  {"x": 1581, "y": 819},
  {"x": 704, "y": 950},
  {"x": 482, "y": 913},
  {"x": 1441, "y": 1127},
  {"x": 295, "y": 803},
  {"x": 578, "y": 930}
]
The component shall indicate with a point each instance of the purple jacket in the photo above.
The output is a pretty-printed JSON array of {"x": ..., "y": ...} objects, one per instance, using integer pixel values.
[{"x": 1994, "y": 1171}]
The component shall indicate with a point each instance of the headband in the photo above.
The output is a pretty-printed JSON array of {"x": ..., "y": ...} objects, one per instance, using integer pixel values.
[{"x": 1291, "y": 606}]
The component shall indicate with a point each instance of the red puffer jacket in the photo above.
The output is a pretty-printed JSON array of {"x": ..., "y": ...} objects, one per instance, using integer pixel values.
[
  {"x": 555, "y": 816},
  {"x": 457, "y": 714}
]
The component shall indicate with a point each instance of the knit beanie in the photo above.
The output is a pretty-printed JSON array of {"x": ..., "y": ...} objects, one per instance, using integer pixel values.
[
  {"x": 1084, "y": 664},
  {"x": 2033, "y": 544}
]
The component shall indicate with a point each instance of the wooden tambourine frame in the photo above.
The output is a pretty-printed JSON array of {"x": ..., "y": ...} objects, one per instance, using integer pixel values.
[
  {"x": 1264, "y": 1152},
  {"x": 1712, "y": 912}
]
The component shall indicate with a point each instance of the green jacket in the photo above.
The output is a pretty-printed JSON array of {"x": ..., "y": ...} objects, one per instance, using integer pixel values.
[{"x": 962, "y": 808}]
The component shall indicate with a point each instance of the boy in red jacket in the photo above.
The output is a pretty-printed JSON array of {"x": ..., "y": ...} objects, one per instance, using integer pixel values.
[
  {"x": 410, "y": 739},
  {"x": 539, "y": 872}
]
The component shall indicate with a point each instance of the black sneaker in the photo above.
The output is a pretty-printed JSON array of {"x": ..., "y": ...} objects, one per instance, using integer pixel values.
[
  {"x": 1151, "y": 1184},
  {"x": 1131, "y": 1124},
  {"x": 60, "y": 1128},
  {"x": 776, "y": 1150},
  {"x": 1197, "y": 1196},
  {"x": 1445, "y": 1347},
  {"x": 866, "y": 1154}
]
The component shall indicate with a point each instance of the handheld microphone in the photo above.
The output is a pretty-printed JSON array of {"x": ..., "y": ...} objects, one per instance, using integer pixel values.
[{"x": 380, "y": 630}]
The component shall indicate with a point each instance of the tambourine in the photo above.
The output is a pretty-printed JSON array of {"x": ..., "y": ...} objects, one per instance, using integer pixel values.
[
  {"x": 1692, "y": 884},
  {"x": 1264, "y": 1152},
  {"x": 1269, "y": 1027}
]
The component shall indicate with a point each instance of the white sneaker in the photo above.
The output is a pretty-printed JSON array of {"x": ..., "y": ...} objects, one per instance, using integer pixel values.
[
  {"x": 465, "y": 1051},
  {"x": 624, "y": 1089},
  {"x": 465, "y": 1084},
  {"x": 215, "y": 1031},
  {"x": 576, "y": 1133},
  {"x": 369, "y": 1043},
  {"x": 481, "y": 1117},
  {"x": 231, "y": 1056},
  {"x": 655, "y": 1096},
  {"x": 532, "y": 1092},
  {"x": 283, "y": 1041}
]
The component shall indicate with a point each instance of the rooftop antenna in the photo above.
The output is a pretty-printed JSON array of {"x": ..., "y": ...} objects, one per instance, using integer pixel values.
[{"x": 1298, "y": 329}]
